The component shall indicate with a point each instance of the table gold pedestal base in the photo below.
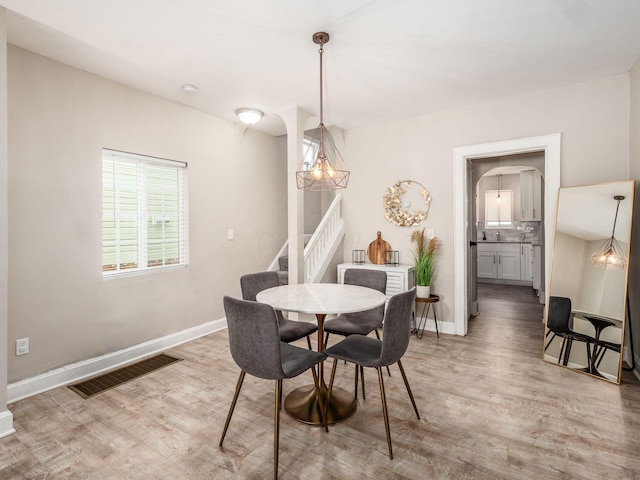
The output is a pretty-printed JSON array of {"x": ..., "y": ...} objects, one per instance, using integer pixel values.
[{"x": 302, "y": 404}]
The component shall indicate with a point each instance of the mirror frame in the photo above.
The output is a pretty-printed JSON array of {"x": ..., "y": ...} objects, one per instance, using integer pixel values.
[{"x": 628, "y": 184}]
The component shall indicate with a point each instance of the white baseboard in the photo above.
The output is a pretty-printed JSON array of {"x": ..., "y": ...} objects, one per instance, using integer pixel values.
[
  {"x": 443, "y": 327},
  {"x": 88, "y": 368},
  {"x": 6, "y": 423}
]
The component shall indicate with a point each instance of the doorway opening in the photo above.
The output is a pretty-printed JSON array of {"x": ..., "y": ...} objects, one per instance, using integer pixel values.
[{"x": 507, "y": 228}]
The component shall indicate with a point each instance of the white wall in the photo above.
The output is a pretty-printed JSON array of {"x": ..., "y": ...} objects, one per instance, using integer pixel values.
[
  {"x": 593, "y": 118},
  {"x": 565, "y": 282},
  {"x": 59, "y": 120}
]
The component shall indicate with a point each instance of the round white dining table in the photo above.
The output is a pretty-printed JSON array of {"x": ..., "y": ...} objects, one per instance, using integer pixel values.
[{"x": 321, "y": 299}]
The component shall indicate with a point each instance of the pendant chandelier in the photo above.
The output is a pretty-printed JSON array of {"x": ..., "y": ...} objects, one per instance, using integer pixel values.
[
  {"x": 610, "y": 254},
  {"x": 499, "y": 198},
  {"x": 322, "y": 167}
]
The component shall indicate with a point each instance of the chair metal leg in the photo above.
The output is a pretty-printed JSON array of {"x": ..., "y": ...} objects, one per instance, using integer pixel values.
[
  {"x": 360, "y": 370},
  {"x": 406, "y": 384},
  {"x": 276, "y": 429},
  {"x": 566, "y": 344},
  {"x": 309, "y": 342},
  {"x": 326, "y": 339},
  {"x": 563, "y": 347},
  {"x": 233, "y": 405},
  {"x": 550, "y": 340},
  {"x": 385, "y": 413},
  {"x": 356, "y": 389}
]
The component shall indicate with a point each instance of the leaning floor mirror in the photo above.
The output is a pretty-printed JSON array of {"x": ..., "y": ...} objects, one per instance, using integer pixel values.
[{"x": 586, "y": 303}]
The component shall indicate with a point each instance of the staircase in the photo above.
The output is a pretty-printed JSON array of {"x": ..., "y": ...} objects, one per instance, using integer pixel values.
[
  {"x": 319, "y": 250},
  {"x": 283, "y": 269}
]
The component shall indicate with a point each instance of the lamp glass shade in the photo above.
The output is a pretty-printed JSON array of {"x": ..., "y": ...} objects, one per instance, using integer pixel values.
[
  {"x": 322, "y": 167},
  {"x": 249, "y": 116},
  {"x": 609, "y": 256}
]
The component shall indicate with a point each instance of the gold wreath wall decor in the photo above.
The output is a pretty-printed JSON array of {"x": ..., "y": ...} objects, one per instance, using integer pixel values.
[{"x": 394, "y": 210}]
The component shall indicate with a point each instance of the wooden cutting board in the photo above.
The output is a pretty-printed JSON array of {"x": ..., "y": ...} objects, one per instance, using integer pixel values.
[{"x": 377, "y": 251}]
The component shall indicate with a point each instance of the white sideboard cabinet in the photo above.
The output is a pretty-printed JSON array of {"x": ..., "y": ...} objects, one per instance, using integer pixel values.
[{"x": 400, "y": 278}]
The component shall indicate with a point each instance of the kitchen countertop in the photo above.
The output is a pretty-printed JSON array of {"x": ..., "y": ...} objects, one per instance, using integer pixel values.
[
  {"x": 504, "y": 241},
  {"x": 535, "y": 244}
]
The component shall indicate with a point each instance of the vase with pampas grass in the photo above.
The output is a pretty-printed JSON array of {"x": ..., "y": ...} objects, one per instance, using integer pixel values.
[{"x": 424, "y": 260}]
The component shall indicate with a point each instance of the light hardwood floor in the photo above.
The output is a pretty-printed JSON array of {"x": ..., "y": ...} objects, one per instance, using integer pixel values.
[{"x": 490, "y": 408}]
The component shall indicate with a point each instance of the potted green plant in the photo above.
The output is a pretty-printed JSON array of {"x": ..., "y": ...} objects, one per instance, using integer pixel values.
[{"x": 424, "y": 261}]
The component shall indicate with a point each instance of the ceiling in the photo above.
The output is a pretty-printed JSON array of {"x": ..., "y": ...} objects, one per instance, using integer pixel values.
[
  {"x": 588, "y": 212},
  {"x": 386, "y": 59}
]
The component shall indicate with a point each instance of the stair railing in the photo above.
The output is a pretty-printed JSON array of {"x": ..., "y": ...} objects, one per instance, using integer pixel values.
[{"x": 323, "y": 244}]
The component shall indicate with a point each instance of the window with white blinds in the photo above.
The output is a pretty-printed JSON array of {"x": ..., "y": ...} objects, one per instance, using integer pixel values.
[{"x": 144, "y": 213}]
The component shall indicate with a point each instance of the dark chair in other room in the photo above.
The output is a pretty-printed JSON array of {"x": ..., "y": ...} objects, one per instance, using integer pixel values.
[
  {"x": 254, "y": 341},
  {"x": 359, "y": 323},
  {"x": 559, "y": 324},
  {"x": 290, "y": 330},
  {"x": 370, "y": 352}
]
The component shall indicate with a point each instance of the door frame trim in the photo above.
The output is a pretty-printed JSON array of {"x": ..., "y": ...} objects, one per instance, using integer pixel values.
[{"x": 551, "y": 145}]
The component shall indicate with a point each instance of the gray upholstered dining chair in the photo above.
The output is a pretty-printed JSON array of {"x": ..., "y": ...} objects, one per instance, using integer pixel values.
[
  {"x": 359, "y": 323},
  {"x": 290, "y": 330},
  {"x": 370, "y": 352},
  {"x": 254, "y": 341}
]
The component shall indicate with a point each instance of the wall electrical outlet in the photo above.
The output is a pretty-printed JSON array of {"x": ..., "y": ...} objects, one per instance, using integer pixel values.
[
  {"x": 22, "y": 346},
  {"x": 230, "y": 234}
]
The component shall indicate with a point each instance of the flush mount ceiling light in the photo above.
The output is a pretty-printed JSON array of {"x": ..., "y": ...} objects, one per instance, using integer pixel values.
[
  {"x": 322, "y": 167},
  {"x": 250, "y": 116},
  {"x": 188, "y": 88},
  {"x": 610, "y": 254}
]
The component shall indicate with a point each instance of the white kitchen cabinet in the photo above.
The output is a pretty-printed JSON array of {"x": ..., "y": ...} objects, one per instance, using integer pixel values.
[
  {"x": 487, "y": 265},
  {"x": 400, "y": 278},
  {"x": 509, "y": 265},
  {"x": 499, "y": 260},
  {"x": 526, "y": 262},
  {"x": 537, "y": 267},
  {"x": 530, "y": 195}
]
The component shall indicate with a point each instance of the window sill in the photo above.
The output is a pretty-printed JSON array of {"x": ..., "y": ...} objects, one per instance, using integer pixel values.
[{"x": 108, "y": 276}]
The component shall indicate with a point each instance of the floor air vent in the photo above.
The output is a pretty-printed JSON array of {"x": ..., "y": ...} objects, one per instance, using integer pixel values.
[{"x": 96, "y": 385}]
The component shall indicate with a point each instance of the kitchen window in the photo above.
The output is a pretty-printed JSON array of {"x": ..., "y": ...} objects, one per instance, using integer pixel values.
[{"x": 498, "y": 208}]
